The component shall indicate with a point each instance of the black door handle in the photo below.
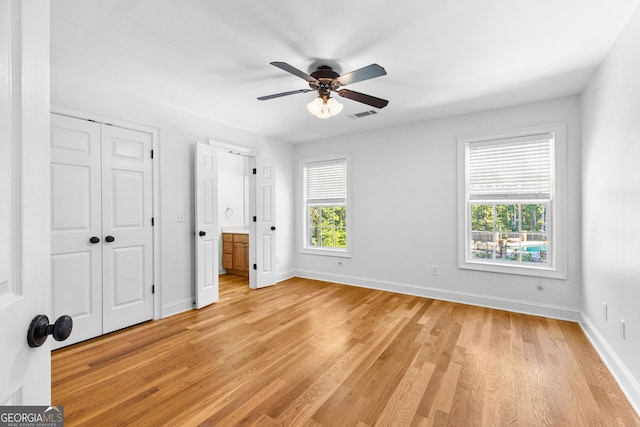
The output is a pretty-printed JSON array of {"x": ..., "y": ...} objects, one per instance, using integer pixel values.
[
  {"x": 94, "y": 240},
  {"x": 202, "y": 233},
  {"x": 109, "y": 239},
  {"x": 273, "y": 228},
  {"x": 40, "y": 329}
]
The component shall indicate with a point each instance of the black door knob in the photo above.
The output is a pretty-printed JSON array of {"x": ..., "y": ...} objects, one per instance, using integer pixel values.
[
  {"x": 40, "y": 329},
  {"x": 94, "y": 240},
  {"x": 110, "y": 239},
  {"x": 202, "y": 233},
  {"x": 273, "y": 228}
]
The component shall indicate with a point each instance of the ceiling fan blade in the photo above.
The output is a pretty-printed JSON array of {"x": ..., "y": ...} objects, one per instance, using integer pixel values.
[
  {"x": 293, "y": 70},
  {"x": 366, "y": 73},
  {"x": 278, "y": 95},
  {"x": 365, "y": 99}
]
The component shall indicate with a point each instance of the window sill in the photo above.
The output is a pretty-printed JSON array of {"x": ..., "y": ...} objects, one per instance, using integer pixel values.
[
  {"x": 326, "y": 252},
  {"x": 520, "y": 270}
]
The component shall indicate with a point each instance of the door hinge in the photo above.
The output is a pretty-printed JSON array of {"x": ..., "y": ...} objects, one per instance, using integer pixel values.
[
  {"x": 153, "y": 289},
  {"x": 255, "y": 171},
  {"x": 153, "y": 222},
  {"x": 152, "y": 154},
  {"x": 255, "y": 266},
  {"x": 255, "y": 219}
]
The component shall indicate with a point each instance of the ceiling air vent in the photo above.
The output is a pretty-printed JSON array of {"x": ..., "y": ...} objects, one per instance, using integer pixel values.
[{"x": 364, "y": 114}]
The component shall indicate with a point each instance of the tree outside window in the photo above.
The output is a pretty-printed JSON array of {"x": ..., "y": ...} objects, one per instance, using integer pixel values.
[
  {"x": 327, "y": 226},
  {"x": 325, "y": 194}
]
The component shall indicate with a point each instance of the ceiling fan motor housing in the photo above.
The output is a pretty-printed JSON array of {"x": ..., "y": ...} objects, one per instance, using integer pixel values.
[{"x": 326, "y": 81}]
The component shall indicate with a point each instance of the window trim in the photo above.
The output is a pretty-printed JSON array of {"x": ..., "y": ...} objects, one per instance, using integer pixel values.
[
  {"x": 304, "y": 248},
  {"x": 557, "y": 265}
]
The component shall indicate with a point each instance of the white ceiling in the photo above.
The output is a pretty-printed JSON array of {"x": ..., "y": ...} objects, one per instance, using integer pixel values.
[{"x": 211, "y": 58}]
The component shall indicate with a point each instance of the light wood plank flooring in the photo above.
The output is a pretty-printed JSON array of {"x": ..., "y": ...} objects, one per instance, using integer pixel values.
[{"x": 312, "y": 353}]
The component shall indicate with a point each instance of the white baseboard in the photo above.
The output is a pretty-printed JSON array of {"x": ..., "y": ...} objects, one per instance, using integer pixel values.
[
  {"x": 181, "y": 306},
  {"x": 176, "y": 307},
  {"x": 286, "y": 275},
  {"x": 621, "y": 374},
  {"x": 517, "y": 306}
]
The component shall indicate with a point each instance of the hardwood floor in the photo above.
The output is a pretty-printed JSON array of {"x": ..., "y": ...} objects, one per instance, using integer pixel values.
[{"x": 312, "y": 353}]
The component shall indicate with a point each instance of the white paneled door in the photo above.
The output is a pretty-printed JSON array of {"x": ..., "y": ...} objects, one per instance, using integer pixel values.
[
  {"x": 207, "y": 233},
  {"x": 127, "y": 215},
  {"x": 101, "y": 226},
  {"x": 264, "y": 258},
  {"x": 76, "y": 222},
  {"x": 25, "y": 372}
]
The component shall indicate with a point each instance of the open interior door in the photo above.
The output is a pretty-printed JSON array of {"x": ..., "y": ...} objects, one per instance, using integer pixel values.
[
  {"x": 25, "y": 372},
  {"x": 263, "y": 249},
  {"x": 206, "y": 225}
]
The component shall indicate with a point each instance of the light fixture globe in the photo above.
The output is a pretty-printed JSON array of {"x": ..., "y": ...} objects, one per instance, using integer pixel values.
[
  {"x": 323, "y": 109},
  {"x": 315, "y": 106},
  {"x": 334, "y": 106}
]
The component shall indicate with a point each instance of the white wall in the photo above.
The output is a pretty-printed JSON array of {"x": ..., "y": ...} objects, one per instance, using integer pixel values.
[
  {"x": 404, "y": 213},
  {"x": 178, "y": 132},
  {"x": 611, "y": 207}
]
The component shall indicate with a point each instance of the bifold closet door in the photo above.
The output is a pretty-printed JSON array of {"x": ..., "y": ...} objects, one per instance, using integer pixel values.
[
  {"x": 101, "y": 232},
  {"x": 76, "y": 218}
]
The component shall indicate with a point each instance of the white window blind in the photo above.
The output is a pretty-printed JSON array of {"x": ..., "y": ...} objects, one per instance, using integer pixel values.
[
  {"x": 326, "y": 182},
  {"x": 511, "y": 168}
]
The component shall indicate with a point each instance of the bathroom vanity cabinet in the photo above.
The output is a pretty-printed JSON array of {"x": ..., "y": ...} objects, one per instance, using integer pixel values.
[{"x": 235, "y": 253}]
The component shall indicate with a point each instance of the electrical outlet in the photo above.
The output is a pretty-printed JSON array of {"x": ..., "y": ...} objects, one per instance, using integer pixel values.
[
  {"x": 434, "y": 270},
  {"x": 605, "y": 315},
  {"x": 622, "y": 327}
]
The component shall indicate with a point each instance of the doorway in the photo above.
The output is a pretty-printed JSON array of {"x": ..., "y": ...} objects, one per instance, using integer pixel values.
[
  {"x": 255, "y": 225},
  {"x": 233, "y": 213}
]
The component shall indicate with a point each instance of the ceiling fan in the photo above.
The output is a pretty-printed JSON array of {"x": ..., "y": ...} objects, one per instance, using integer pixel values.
[{"x": 325, "y": 80}]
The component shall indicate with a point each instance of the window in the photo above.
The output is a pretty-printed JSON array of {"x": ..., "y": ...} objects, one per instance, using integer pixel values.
[
  {"x": 511, "y": 202},
  {"x": 326, "y": 219}
]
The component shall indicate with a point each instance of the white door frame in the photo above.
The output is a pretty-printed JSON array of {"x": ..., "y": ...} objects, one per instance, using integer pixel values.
[{"x": 155, "y": 135}]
